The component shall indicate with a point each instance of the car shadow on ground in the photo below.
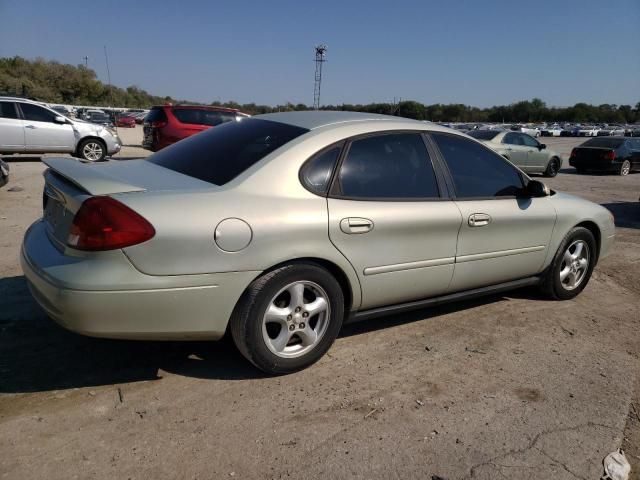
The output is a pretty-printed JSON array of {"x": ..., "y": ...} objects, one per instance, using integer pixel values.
[
  {"x": 626, "y": 214},
  {"x": 38, "y": 355},
  {"x": 22, "y": 158}
]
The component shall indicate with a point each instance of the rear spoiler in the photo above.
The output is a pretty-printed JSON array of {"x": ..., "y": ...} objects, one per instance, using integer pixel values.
[{"x": 89, "y": 177}]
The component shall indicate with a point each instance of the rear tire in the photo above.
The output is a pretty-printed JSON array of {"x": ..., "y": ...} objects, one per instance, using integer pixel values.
[
  {"x": 288, "y": 318},
  {"x": 92, "y": 150},
  {"x": 572, "y": 265},
  {"x": 625, "y": 168},
  {"x": 552, "y": 168}
]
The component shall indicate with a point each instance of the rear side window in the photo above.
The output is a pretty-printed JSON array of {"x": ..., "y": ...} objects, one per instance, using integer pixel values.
[
  {"x": 203, "y": 116},
  {"x": 477, "y": 171},
  {"x": 388, "y": 166},
  {"x": 218, "y": 155},
  {"x": 8, "y": 110},
  {"x": 36, "y": 113},
  {"x": 156, "y": 115},
  {"x": 316, "y": 172}
]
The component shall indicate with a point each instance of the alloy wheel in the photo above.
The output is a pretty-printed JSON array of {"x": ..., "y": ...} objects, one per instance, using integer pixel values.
[
  {"x": 296, "y": 319},
  {"x": 575, "y": 264},
  {"x": 92, "y": 151}
]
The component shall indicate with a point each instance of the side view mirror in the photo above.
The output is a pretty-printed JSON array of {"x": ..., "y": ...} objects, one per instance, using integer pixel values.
[
  {"x": 60, "y": 119},
  {"x": 542, "y": 146},
  {"x": 536, "y": 188}
]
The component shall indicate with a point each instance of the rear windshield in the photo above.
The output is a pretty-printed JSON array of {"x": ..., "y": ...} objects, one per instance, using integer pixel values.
[
  {"x": 484, "y": 134},
  {"x": 219, "y": 155},
  {"x": 604, "y": 142},
  {"x": 156, "y": 115},
  {"x": 203, "y": 116}
]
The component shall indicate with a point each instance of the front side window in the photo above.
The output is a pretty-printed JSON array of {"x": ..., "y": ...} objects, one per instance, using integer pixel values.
[
  {"x": 316, "y": 173},
  {"x": 529, "y": 141},
  {"x": 218, "y": 155},
  {"x": 388, "y": 166},
  {"x": 512, "y": 139},
  {"x": 8, "y": 110},
  {"x": 35, "y": 113},
  {"x": 477, "y": 171}
]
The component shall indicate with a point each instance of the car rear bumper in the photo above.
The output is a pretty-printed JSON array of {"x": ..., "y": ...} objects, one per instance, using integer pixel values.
[
  {"x": 105, "y": 296},
  {"x": 596, "y": 165}
]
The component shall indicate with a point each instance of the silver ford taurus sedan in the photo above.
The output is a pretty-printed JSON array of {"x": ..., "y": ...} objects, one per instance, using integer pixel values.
[{"x": 283, "y": 226}]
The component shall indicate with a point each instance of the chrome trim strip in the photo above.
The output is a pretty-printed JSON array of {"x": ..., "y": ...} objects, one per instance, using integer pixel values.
[
  {"x": 409, "y": 266},
  {"x": 499, "y": 253}
]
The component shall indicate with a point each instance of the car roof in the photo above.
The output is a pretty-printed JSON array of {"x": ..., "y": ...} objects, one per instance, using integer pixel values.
[
  {"x": 20, "y": 99},
  {"x": 322, "y": 118},
  {"x": 199, "y": 107}
]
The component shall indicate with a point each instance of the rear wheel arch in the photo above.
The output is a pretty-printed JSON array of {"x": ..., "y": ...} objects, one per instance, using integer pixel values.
[{"x": 336, "y": 271}]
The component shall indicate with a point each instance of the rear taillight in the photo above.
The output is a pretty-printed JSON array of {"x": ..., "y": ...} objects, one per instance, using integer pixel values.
[
  {"x": 103, "y": 223},
  {"x": 574, "y": 154},
  {"x": 158, "y": 124},
  {"x": 609, "y": 155}
]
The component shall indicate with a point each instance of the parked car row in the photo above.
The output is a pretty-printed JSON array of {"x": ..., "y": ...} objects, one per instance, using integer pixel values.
[{"x": 553, "y": 129}]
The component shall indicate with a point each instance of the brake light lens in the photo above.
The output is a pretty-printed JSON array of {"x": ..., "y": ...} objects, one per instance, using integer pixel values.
[
  {"x": 609, "y": 155},
  {"x": 574, "y": 154},
  {"x": 103, "y": 223}
]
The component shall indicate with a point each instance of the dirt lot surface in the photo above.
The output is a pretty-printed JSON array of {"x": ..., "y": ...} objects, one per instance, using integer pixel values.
[{"x": 510, "y": 386}]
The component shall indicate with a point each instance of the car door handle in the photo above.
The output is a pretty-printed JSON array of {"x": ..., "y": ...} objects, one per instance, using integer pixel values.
[
  {"x": 356, "y": 225},
  {"x": 479, "y": 219},
  {"x": 30, "y": 126}
]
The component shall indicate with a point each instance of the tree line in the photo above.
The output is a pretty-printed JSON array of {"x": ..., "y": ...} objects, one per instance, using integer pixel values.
[{"x": 54, "y": 82}]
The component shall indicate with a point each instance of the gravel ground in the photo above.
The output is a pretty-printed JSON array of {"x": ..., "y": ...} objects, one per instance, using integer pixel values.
[{"x": 511, "y": 386}]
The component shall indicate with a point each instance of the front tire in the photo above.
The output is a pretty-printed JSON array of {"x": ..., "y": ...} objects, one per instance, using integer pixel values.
[
  {"x": 572, "y": 265},
  {"x": 92, "y": 150},
  {"x": 288, "y": 318},
  {"x": 552, "y": 168}
]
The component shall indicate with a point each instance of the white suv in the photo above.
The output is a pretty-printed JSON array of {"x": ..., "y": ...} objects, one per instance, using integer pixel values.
[{"x": 28, "y": 127}]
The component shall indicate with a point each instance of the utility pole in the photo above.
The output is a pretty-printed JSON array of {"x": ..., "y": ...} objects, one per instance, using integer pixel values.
[
  {"x": 321, "y": 52},
  {"x": 86, "y": 61},
  {"x": 106, "y": 58}
]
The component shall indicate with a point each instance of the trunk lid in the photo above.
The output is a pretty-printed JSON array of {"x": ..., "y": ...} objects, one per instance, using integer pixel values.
[
  {"x": 69, "y": 182},
  {"x": 592, "y": 154}
]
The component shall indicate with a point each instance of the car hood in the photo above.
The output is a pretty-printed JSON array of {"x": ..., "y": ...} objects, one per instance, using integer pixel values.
[{"x": 118, "y": 176}]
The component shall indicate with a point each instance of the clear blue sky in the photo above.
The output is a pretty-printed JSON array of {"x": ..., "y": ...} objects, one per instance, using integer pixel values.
[{"x": 475, "y": 52}]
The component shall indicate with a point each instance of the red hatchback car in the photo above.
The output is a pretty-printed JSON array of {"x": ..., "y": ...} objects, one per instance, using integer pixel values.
[
  {"x": 167, "y": 124},
  {"x": 123, "y": 120}
]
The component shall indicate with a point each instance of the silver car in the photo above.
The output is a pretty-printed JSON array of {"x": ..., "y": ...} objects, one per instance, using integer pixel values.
[
  {"x": 522, "y": 150},
  {"x": 283, "y": 226},
  {"x": 28, "y": 127}
]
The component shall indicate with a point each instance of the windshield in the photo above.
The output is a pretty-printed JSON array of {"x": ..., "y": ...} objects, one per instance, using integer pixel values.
[
  {"x": 484, "y": 134},
  {"x": 220, "y": 154}
]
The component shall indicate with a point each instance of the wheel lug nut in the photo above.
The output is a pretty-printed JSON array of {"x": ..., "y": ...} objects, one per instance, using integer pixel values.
[
  {"x": 305, "y": 314},
  {"x": 292, "y": 327},
  {"x": 289, "y": 317},
  {"x": 302, "y": 325},
  {"x": 298, "y": 309}
]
